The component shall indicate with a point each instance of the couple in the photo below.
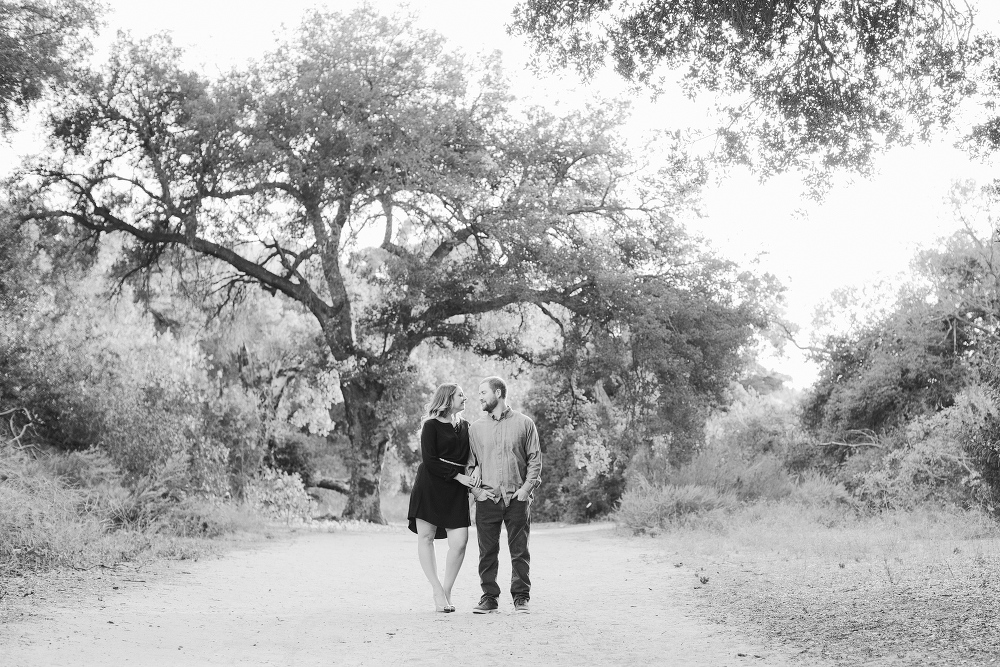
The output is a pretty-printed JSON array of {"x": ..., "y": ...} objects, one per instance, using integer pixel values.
[{"x": 498, "y": 460}]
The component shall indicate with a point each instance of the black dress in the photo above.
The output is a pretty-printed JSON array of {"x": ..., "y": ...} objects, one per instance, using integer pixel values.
[{"x": 436, "y": 497}]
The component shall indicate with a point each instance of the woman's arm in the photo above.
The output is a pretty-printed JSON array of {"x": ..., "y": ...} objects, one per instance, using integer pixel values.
[{"x": 430, "y": 452}]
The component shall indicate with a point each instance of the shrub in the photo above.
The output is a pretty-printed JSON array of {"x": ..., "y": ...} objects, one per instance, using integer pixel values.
[
  {"x": 290, "y": 453},
  {"x": 46, "y": 523},
  {"x": 84, "y": 469},
  {"x": 981, "y": 434},
  {"x": 279, "y": 495},
  {"x": 817, "y": 490},
  {"x": 728, "y": 472},
  {"x": 645, "y": 507},
  {"x": 151, "y": 496},
  {"x": 583, "y": 459},
  {"x": 72, "y": 510},
  {"x": 232, "y": 422},
  {"x": 928, "y": 460}
]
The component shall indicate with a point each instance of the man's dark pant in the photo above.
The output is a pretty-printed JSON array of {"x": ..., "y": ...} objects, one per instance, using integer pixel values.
[{"x": 517, "y": 518}]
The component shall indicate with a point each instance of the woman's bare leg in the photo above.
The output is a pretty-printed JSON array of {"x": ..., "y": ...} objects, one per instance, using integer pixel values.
[
  {"x": 428, "y": 562},
  {"x": 458, "y": 538}
]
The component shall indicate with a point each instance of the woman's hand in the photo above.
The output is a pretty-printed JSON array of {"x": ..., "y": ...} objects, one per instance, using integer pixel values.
[
  {"x": 476, "y": 477},
  {"x": 463, "y": 479}
]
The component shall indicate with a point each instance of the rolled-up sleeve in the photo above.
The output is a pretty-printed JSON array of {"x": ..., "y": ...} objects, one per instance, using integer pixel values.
[{"x": 533, "y": 455}]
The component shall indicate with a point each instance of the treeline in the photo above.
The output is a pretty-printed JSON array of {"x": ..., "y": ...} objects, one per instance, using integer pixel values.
[
  {"x": 220, "y": 291},
  {"x": 907, "y": 401},
  {"x": 905, "y": 412}
]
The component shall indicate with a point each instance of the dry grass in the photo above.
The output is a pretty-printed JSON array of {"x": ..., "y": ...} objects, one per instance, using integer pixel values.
[
  {"x": 51, "y": 517},
  {"x": 915, "y": 588}
]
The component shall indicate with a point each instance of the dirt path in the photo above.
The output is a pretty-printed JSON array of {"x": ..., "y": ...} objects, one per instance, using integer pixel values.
[{"x": 359, "y": 598}]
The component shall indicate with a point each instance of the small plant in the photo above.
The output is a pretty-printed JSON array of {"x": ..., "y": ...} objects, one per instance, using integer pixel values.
[{"x": 279, "y": 495}]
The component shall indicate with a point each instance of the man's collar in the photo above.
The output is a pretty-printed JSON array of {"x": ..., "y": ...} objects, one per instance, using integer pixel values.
[{"x": 503, "y": 415}]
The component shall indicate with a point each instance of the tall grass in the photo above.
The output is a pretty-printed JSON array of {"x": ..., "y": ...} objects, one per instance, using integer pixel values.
[
  {"x": 72, "y": 511},
  {"x": 716, "y": 479}
]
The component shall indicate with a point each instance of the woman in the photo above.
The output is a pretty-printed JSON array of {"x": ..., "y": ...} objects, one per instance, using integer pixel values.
[{"x": 439, "y": 500}]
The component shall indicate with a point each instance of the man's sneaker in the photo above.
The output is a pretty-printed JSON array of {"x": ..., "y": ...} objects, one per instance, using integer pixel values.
[
  {"x": 521, "y": 604},
  {"x": 487, "y": 605}
]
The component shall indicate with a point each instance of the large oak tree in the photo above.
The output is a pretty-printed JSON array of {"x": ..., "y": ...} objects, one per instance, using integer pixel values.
[{"x": 389, "y": 186}]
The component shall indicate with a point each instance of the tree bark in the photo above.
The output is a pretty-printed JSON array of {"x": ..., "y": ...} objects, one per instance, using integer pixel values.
[{"x": 369, "y": 436}]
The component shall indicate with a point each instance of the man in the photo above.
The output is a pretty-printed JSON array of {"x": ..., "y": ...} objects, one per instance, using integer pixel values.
[{"x": 505, "y": 447}]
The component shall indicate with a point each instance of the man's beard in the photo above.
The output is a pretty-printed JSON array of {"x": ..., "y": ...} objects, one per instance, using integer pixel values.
[{"x": 489, "y": 407}]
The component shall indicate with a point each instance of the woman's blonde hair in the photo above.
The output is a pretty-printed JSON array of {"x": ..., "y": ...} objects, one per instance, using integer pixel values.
[{"x": 442, "y": 400}]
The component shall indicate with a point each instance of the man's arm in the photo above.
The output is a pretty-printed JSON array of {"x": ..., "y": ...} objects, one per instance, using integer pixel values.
[
  {"x": 476, "y": 473},
  {"x": 533, "y": 455}
]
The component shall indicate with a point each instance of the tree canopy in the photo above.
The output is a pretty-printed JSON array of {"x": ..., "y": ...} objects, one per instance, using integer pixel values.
[
  {"x": 926, "y": 347},
  {"x": 39, "y": 40},
  {"x": 386, "y": 185},
  {"x": 798, "y": 81}
]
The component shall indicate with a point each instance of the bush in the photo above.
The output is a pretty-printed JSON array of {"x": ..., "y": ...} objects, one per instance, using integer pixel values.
[
  {"x": 290, "y": 453},
  {"x": 62, "y": 510},
  {"x": 84, "y": 469},
  {"x": 47, "y": 523},
  {"x": 928, "y": 460},
  {"x": 728, "y": 472},
  {"x": 981, "y": 435},
  {"x": 645, "y": 507},
  {"x": 279, "y": 495},
  {"x": 583, "y": 464},
  {"x": 817, "y": 490},
  {"x": 231, "y": 421}
]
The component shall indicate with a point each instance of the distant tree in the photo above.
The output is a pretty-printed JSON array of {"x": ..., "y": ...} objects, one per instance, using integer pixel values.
[
  {"x": 39, "y": 41},
  {"x": 361, "y": 122},
  {"x": 643, "y": 374},
  {"x": 915, "y": 356},
  {"x": 891, "y": 371},
  {"x": 796, "y": 79}
]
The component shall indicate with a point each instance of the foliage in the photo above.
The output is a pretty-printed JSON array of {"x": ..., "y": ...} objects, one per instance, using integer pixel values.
[
  {"x": 290, "y": 453},
  {"x": 906, "y": 404},
  {"x": 361, "y": 123},
  {"x": 762, "y": 423},
  {"x": 910, "y": 362},
  {"x": 645, "y": 373},
  {"x": 980, "y": 432},
  {"x": 92, "y": 378},
  {"x": 814, "y": 489},
  {"x": 927, "y": 464},
  {"x": 40, "y": 40},
  {"x": 279, "y": 495},
  {"x": 72, "y": 510},
  {"x": 645, "y": 507},
  {"x": 796, "y": 79}
]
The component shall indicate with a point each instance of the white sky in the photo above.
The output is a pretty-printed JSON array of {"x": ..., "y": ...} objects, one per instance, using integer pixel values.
[{"x": 863, "y": 230}]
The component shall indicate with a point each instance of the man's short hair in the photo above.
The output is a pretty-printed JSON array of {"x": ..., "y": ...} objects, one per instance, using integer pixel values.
[{"x": 496, "y": 384}]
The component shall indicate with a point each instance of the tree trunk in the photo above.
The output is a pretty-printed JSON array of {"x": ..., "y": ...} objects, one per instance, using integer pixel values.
[{"x": 369, "y": 436}]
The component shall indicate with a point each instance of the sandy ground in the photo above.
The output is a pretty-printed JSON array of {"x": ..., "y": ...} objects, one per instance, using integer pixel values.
[{"x": 359, "y": 598}]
